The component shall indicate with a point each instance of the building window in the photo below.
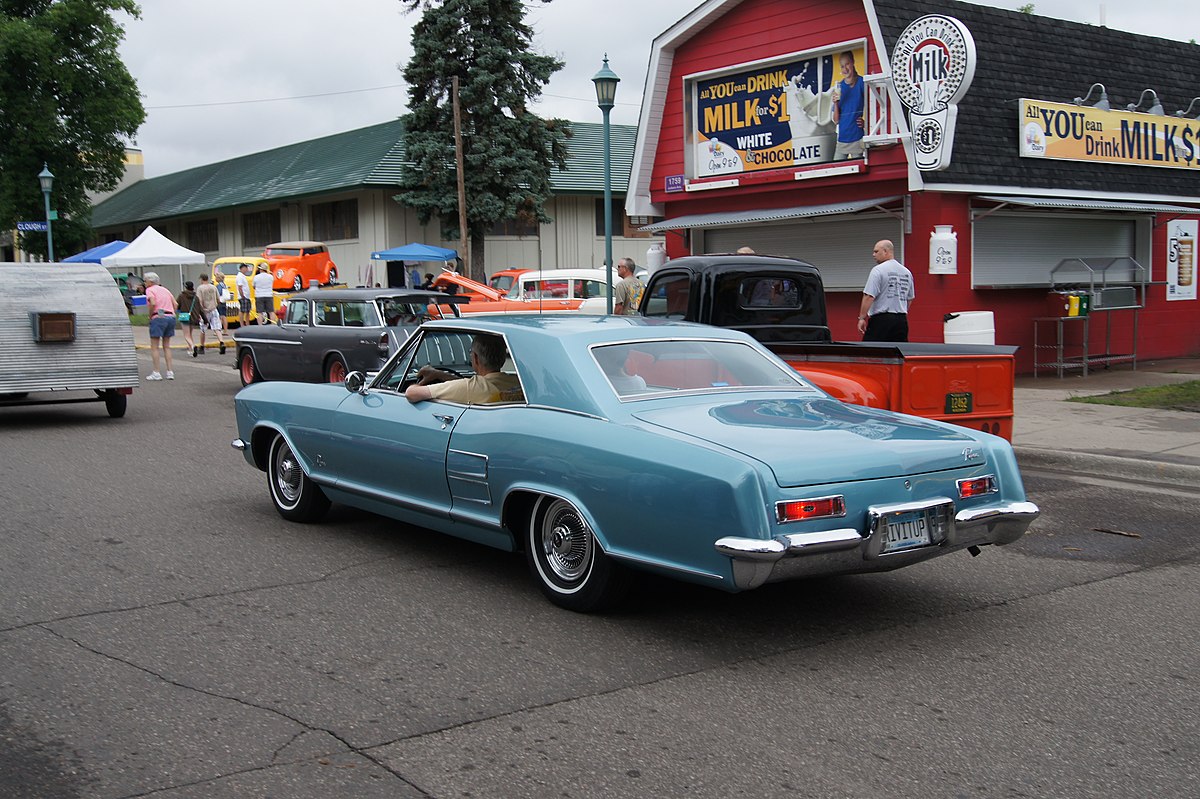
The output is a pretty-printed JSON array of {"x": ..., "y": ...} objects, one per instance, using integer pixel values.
[
  {"x": 260, "y": 228},
  {"x": 618, "y": 216},
  {"x": 202, "y": 235},
  {"x": 335, "y": 221},
  {"x": 514, "y": 227},
  {"x": 624, "y": 226}
]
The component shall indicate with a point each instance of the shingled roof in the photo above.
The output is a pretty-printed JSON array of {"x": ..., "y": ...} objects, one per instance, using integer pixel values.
[
  {"x": 1025, "y": 55},
  {"x": 367, "y": 157}
]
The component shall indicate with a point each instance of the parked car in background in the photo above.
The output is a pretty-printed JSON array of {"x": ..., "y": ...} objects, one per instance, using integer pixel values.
[
  {"x": 325, "y": 333},
  {"x": 295, "y": 263},
  {"x": 579, "y": 290},
  {"x": 228, "y": 266},
  {"x": 636, "y": 444},
  {"x": 504, "y": 279}
]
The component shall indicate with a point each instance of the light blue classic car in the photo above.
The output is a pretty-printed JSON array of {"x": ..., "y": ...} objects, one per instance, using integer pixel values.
[{"x": 635, "y": 444}]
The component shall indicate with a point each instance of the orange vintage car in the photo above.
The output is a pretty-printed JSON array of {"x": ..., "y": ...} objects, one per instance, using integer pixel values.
[
  {"x": 579, "y": 290},
  {"x": 295, "y": 263}
]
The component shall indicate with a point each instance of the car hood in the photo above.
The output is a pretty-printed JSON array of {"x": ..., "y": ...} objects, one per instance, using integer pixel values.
[{"x": 809, "y": 441}]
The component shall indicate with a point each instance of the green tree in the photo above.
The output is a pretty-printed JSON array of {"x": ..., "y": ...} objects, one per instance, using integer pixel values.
[
  {"x": 67, "y": 101},
  {"x": 508, "y": 151},
  {"x": 1026, "y": 9}
]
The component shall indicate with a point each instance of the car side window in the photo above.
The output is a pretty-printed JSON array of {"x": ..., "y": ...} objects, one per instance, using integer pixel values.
[
  {"x": 297, "y": 312},
  {"x": 329, "y": 314},
  {"x": 668, "y": 297},
  {"x": 359, "y": 314}
]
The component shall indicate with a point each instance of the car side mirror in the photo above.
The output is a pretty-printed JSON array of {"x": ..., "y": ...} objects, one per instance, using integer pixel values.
[{"x": 356, "y": 383}]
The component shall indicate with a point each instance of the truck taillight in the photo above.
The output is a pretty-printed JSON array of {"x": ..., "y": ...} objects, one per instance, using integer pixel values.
[
  {"x": 798, "y": 510},
  {"x": 976, "y": 486},
  {"x": 383, "y": 345}
]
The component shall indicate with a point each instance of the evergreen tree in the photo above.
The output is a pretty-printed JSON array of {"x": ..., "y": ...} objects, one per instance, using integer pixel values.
[
  {"x": 67, "y": 101},
  {"x": 508, "y": 152}
]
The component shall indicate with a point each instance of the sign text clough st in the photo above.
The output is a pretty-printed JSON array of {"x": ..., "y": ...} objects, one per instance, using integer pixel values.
[{"x": 1075, "y": 133}]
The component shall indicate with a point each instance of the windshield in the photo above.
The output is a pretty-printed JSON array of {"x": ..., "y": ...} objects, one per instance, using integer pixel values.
[
  {"x": 646, "y": 368},
  {"x": 281, "y": 251}
]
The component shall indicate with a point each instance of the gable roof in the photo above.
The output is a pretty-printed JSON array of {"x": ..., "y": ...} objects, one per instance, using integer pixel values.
[
  {"x": 371, "y": 156},
  {"x": 1019, "y": 55},
  {"x": 1026, "y": 55}
]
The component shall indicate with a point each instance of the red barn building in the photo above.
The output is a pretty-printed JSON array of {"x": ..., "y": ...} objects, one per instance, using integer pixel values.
[{"x": 1007, "y": 155}]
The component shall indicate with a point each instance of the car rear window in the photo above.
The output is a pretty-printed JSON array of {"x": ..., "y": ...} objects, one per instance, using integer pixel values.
[{"x": 662, "y": 367}]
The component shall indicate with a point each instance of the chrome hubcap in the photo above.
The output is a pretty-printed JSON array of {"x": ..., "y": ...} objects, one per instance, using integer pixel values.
[
  {"x": 287, "y": 475},
  {"x": 566, "y": 542}
]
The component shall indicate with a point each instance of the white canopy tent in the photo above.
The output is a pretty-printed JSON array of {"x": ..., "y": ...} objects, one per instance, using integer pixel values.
[{"x": 152, "y": 249}]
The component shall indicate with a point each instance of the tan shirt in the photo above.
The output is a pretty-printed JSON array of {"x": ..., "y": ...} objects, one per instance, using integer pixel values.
[{"x": 479, "y": 389}]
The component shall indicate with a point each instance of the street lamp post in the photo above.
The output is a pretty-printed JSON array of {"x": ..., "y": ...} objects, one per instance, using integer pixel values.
[
  {"x": 47, "y": 181},
  {"x": 606, "y": 91}
]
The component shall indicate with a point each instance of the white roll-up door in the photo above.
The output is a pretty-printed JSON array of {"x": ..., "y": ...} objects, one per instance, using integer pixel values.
[
  {"x": 1021, "y": 249},
  {"x": 840, "y": 248}
]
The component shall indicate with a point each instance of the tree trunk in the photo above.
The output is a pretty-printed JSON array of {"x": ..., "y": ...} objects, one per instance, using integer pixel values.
[{"x": 477, "y": 269}]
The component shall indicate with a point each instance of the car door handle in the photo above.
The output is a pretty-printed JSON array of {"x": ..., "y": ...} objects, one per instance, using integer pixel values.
[{"x": 445, "y": 418}]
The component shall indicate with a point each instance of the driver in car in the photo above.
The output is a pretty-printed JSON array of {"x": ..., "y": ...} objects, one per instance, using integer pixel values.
[{"x": 487, "y": 385}]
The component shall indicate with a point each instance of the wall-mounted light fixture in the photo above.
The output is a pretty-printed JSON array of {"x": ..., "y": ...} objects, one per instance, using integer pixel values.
[
  {"x": 1155, "y": 109},
  {"x": 1188, "y": 112},
  {"x": 1102, "y": 103}
]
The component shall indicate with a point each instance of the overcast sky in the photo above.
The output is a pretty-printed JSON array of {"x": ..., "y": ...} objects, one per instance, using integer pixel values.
[{"x": 223, "y": 78}]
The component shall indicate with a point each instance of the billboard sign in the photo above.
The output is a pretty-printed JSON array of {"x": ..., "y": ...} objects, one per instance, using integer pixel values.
[
  {"x": 1082, "y": 133},
  {"x": 774, "y": 115}
]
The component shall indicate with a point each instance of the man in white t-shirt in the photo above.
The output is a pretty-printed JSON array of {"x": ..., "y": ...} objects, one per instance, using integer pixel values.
[
  {"x": 242, "y": 283},
  {"x": 883, "y": 312},
  {"x": 264, "y": 296}
]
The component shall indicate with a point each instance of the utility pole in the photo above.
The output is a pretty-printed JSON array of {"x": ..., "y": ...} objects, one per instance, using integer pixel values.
[{"x": 463, "y": 236}]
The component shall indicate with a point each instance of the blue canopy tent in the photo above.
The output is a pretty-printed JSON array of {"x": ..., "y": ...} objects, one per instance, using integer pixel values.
[
  {"x": 94, "y": 255},
  {"x": 396, "y": 257},
  {"x": 415, "y": 252}
]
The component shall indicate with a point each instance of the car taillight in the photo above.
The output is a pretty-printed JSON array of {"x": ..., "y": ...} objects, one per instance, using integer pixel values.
[
  {"x": 798, "y": 510},
  {"x": 383, "y": 345},
  {"x": 976, "y": 486}
]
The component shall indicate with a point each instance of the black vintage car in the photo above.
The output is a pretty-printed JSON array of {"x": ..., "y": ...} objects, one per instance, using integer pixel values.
[{"x": 325, "y": 333}]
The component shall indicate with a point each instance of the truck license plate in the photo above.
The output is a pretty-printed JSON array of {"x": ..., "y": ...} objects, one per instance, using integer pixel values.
[
  {"x": 958, "y": 402},
  {"x": 907, "y": 531}
]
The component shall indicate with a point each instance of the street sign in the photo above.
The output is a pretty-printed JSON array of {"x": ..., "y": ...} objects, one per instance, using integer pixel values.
[{"x": 31, "y": 227}]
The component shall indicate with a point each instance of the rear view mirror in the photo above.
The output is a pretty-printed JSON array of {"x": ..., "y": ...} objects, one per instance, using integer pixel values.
[{"x": 356, "y": 383}]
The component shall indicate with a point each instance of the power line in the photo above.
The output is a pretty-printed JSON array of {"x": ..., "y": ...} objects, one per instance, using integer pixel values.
[
  {"x": 271, "y": 100},
  {"x": 334, "y": 94}
]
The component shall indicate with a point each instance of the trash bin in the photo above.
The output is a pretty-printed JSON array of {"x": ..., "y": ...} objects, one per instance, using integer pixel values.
[{"x": 970, "y": 327}]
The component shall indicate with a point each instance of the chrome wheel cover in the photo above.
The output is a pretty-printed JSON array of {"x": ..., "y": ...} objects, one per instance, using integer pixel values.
[
  {"x": 287, "y": 475},
  {"x": 566, "y": 542}
]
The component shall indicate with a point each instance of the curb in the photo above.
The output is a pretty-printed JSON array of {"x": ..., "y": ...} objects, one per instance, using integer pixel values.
[{"x": 1130, "y": 469}]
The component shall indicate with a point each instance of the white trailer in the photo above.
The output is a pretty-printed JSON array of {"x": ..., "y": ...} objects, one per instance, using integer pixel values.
[{"x": 64, "y": 337}]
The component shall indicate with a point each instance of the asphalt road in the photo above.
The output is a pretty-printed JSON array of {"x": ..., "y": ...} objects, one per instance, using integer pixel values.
[{"x": 164, "y": 633}]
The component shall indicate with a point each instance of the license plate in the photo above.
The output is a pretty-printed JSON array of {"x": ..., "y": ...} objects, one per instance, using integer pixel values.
[
  {"x": 959, "y": 402},
  {"x": 907, "y": 531}
]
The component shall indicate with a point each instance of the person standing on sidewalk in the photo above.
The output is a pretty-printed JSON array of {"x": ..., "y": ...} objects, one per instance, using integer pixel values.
[
  {"x": 161, "y": 307},
  {"x": 264, "y": 296},
  {"x": 883, "y": 312},
  {"x": 185, "y": 303},
  {"x": 243, "y": 294},
  {"x": 210, "y": 313},
  {"x": 627, "y": 294}
]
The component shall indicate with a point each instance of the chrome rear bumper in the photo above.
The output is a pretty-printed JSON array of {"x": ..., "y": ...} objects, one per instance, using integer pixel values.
[{"x": 845, "y": 550}]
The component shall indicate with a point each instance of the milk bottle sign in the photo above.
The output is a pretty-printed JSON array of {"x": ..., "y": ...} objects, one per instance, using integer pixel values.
[
  {"x": 933, "y": 64},
  {"x": 1181, "y": 260}
]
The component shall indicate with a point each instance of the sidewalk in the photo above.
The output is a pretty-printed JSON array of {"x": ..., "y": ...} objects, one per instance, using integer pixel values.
[{"x": 1129, "y": 443}]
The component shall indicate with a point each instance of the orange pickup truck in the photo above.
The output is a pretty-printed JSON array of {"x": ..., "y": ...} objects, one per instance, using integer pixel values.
[{"x": 781, "y": 302}]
